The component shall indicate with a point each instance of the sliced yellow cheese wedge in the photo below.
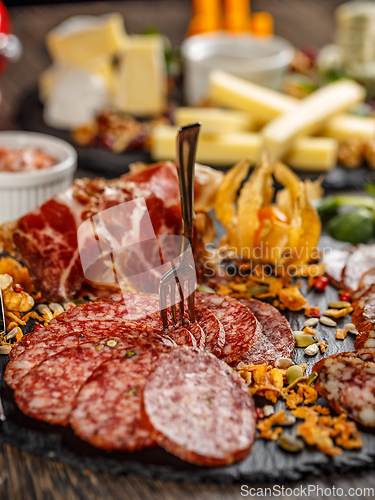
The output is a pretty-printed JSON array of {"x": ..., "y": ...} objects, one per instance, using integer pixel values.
[
  {"x": 310, "y": 114},
  {"x": 343, "y": 127},
  {"x": 81, "y": 38},
  {"x": 233, "y": 92},
  {"x": 142, "y": 88},
  {"x": 215, "y": 120},
  {"x": 223, "y": 150},
  {"x": 318, "y": 154}
]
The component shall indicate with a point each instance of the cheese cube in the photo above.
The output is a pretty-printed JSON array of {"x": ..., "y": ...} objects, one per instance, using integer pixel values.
[
  {"x": 342, "y": 127},
  {"x": 310, "y": 115},
  {"x": 215, "y": 120},
  {"x": 81, "y": 38},
  {"x": 313, "y": 154},
  {"x": 233, "y": 92},
  {"x": 142, "y": 85}
]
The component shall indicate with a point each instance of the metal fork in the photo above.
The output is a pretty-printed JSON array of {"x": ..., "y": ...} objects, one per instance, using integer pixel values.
[{"x": 187, "y": 139}]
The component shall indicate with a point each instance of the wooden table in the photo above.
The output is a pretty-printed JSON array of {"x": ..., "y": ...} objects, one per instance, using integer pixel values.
[{"x": 26, "y": 477}]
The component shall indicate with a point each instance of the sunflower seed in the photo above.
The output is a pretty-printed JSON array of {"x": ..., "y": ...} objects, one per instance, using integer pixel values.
[
  {"x": 289, "y": 420},
  {"x": 351, "y": 328},
  {"x": 290, "y": 443},
  {"x": 327, "y": 321},
  {"x": 312, "y": 349},
  {"x": 283, "y": 363},
  {"x": 12, "y": 334},
  {"x": 5, "y": 349},
  {"x": 68, "y": 305},
  {"x": 268, "y": 410},
  {"x": 54, "y": 306},
  {"x": 41, "y": 308},
  {"x": 311, "y": 322}
]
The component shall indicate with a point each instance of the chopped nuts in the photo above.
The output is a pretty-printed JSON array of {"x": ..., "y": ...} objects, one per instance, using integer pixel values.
[
  {"x": 351, "y": 328},
  {"x": 311, "y": 322},
  {"x": 341, "y": 334},
  {"x": 283, "y": 363},
  {"x": 312, "y": 349},
  {"x": 5, "y": 349},
  {"x": 327, "y": 321},
  {"x": 268, "y": 410}
]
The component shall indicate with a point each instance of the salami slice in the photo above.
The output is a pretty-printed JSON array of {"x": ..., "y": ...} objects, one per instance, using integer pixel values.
[
  {"x": 275, "y": 340},
  {"x": 364, "y": 307},
  {"x": 48, "y": 391},
  {"x": 240, "y": 325},
  {"x": 359, "y": 263},
  {"x": 366, "y": 337},
  {"x": 107, "y": 411},
  {"x": 347, "y": 382},
  {"x": 199, "y": 408},
  {"x": 212, "y": 328},
  {"x": 335, "y": 262}
]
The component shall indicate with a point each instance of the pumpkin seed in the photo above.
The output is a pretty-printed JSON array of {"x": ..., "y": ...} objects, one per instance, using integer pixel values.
[
  {"x": 351, "y": 328},
  {"x": 303, "y": 339},
  {"x": 12, "y": 334},
  {"x": 290, "y": 443},
  {"x": 5, "y": 349},
  {"x": 339, "y": 304},
  {"x": 312, "y": 377},
  {"x": 54, "y": 306},
  {"x": 284, "y": 363},
  {"x": 311, "y": 322},
  {"x": 293, "y": 372},
  {"x": 312, "y": 349},
  {"x": 327, "y": 321},
  {"x": 41, "y": 308}
]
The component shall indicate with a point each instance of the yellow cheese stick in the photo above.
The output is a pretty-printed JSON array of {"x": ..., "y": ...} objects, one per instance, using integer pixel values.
[
  {"x": 223, "y": 150},
  {"x": 309, "y": 116},
  {"x": 343, "y": 127},
  {"x": 81, "y": 38},
  {"x": 317, "y": 154},
  {"x": 233, "y": 92},
  {"x": 215, "y": 120}
]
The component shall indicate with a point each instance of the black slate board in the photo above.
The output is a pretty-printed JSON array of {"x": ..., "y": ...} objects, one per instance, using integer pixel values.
[
  {"x": 108, "y": 164},
  {"x": 267, "y": 462}
]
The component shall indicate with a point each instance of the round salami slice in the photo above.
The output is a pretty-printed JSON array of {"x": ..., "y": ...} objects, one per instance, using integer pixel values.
[
  {"x": 48, "y": 391},
  {"x": 366, "y": 336},
  {"x": 239, "y": 323},
  {"x": 335, "y": 262},
  {"x": 348, "y": 384},
  {"x": 364, "y": 307},
  {"x": 107, "y": 411},
  {"x": 276, "y": 338},
  {"x": 359, "y": 263},
  {"x": 212, "y": 328},
  {"x": 199, "y": 408}
]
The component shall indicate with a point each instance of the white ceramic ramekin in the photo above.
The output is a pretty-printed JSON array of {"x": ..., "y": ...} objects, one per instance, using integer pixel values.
[
  {"x": 262, "y": 61},
  {"x": 20, "y": 192}
]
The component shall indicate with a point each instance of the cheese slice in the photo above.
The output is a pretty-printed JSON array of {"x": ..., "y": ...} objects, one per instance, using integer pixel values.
[
  {"x": 310, "y": 115},
  {"x": 343, "y": 127},
  {"x": 76, "y": 97},
  {"x": 81, "y": 38},
  {"x": 313, "y": 154},
  {"x": 142, "y": 84},
  {"x": 102, "y": 68},
  {"x": 233, "y": 92},
  {"x": 223, "y": 150},
  {"x": 219, "y": 150},
  {"x": 214, "y": 120}
]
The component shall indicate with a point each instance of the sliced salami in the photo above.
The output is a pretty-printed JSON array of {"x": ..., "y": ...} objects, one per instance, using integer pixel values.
[
  {"x": 107, "y": 411},
  {"x": 199, "y": 408},
  {"x": 276, "y": 338},
  {"x": 335, "y": 262},
  {"x": 48, "y": 391},
  {"x": 359, "y": 262},
  {"x": 364, "y": 307},
  {"x": 347, "y": 382},
  {"x": 212, "y": 328},
  {"x": 366, "y": 336},
  {"x": 239, "y": 323}
]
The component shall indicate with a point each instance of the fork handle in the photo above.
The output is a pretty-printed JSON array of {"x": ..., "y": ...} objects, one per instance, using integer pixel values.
[{"x": 187, "y": 139}]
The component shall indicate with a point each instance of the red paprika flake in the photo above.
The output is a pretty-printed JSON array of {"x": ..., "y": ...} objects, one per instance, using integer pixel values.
[
  {"x": 17, "y": 288},
  {"x": 315, "y": 312},
  {"x": 38, "y": 326},
  {"x": 345, "y": 297},
  {"x": 259, "y": 412}
]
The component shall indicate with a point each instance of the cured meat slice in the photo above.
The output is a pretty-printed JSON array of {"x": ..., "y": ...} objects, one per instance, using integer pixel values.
[
  {"x": 364, "y": 307},
  {"x": 199, "y": 408},
  {"x": 360, "y": 262},
  {"x": 48, "y": 391},
  {"x": 348, "y": 384},
  {"x": 335, "y": 262},
  {"x": 366, "y": 337},
  {"x": 212, "y": 328},
  {"x": 107, "y": 411},
  {"x": 240, "y": 325},
  {"x": 275, "y": 340}
]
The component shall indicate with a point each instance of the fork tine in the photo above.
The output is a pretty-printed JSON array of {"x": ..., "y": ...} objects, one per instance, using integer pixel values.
[
  {"x": 174, "y": 313},
  {"x": 182, "y": 305},
  {"x": 191, "y": 300},
  {"x": 163, "y": 293}
]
